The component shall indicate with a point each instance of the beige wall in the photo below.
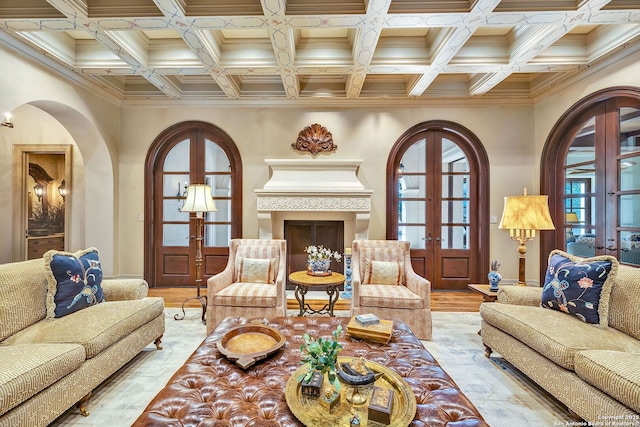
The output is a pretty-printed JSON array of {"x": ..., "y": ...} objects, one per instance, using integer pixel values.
[
  {"x": 506, "y": 132},
  {"x": 113, "y": 142},
  {"x": 34, "y": 97}
]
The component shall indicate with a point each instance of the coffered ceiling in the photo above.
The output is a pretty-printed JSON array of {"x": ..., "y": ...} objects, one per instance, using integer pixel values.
[{"x": 335, "y": 50}]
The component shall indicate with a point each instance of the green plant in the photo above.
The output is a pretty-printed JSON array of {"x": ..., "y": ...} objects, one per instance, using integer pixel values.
[{"x": 322, "y": 355}]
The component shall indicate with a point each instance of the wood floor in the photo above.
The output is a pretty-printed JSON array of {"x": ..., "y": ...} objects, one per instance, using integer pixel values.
[{"x": 440, "y": 300}]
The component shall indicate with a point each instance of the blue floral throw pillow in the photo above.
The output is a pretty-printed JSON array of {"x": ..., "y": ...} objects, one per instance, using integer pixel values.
[
  {"x": 580, "y": 286},
  {"x": 74, "y": 281}
]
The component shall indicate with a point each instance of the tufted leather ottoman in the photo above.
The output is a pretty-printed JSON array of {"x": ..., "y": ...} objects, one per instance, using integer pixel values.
[{"x": 208, "y": 390}]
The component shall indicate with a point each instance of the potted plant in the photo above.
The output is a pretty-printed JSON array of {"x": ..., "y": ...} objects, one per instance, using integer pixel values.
[{"x": 321, "y": 356}]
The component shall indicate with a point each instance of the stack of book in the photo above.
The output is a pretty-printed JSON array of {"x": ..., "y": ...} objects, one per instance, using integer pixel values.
[{"x": 370, "y": 329}]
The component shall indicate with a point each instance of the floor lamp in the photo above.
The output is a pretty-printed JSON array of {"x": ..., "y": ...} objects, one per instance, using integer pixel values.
[
  {"x": 198, "y": 200},
  {"x": 523, "y": 215}
]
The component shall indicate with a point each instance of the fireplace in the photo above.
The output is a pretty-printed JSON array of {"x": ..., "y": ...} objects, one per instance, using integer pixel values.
[{"x": 314, "y": 189}]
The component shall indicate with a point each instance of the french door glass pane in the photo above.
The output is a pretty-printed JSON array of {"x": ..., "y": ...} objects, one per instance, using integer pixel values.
[
  {"x": 175, "y": 185},
  {"x": 220, "y": 185},
  {"x": 454, "y": 237},
  {"x": 629, "y": 130},
  {"x": 412, "y": 186},
  {"x": 177, "y": 159},
  {"x": 413, "y": 234},
  {"x": 217, "y": 235},
  {"x": 171, "y": 211},
  {"x": 453, "y": 158},
  {"x": 215, "y": 159},
  {"x": 455, "y": 186},
  {"x": 630, "y": 247},
  {"x": 223, "y": 214},
  {"x": 454, "y": 211},
  {"x": 175, "y": 234},
  {"x": 414, "y": 159},
  {"x": 412, "y": 212},
  {"x": 629, "y": 211},
  {"x": 629, "y": 178}
]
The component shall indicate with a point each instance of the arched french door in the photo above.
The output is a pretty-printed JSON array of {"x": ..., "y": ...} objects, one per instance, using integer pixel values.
[
  {"x": 190, "y": 153},
  {"x": 590, "y": 168},
  {"x": 438, "y": 199}
]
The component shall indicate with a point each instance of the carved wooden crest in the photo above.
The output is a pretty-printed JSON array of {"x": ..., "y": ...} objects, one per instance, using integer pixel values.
[{"x": 315, "y": 139}]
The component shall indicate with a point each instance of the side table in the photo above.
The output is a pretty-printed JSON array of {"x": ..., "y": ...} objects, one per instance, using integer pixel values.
[
  {"x": 487, "y": 295},
  {"x": 304, "y": 281}
]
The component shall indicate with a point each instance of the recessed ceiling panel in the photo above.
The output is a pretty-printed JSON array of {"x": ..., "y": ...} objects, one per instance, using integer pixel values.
[
  {"x": 122, "y": 8},
  {"x": 222, "y": 7}
]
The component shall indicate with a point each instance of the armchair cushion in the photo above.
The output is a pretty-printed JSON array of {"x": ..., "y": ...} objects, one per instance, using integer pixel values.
[
  {"x": 383, "y": 272},
  {"x": 580, "y": 287},
  {"x": 390, "y": 296},
  {"x": 247, "y": 295},
  {"x": 74, "y": 281},
  {"x": 256, "y": 270}
]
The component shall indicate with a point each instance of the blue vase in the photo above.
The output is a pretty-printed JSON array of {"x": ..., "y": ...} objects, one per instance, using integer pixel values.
[
  {"x": 321, "y": 266},
  {"x": 494, "y": 278}
]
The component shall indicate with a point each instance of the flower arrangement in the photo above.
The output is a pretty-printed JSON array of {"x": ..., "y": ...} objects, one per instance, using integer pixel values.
[
  {"x": 318, "y": 253},
  {"x": 494, "y": 265}
]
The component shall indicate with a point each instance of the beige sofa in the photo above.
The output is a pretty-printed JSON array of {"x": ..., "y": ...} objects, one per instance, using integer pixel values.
[
  {"x": 47, "y": 366},
  {"x": 593, "y": 370}
]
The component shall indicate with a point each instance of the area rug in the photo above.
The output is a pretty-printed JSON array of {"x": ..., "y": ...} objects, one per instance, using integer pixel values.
[{"x": 502, "y": 395}]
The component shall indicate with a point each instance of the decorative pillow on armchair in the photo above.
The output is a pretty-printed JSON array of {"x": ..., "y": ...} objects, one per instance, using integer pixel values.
[
  {"x": 74, "y": 281},
  {"x": 580, "y": 286},
  {"x": 383, "y": 272},
  {"x": 256, "y": 270}
]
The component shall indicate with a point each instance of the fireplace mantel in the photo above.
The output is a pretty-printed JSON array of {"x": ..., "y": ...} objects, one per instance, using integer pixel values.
[{"x": 309, "y": 186}]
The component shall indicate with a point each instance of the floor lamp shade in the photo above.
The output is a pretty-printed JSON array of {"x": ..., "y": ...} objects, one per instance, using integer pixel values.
[
  {"x": 523, "y": 215},
  {"x": 199, "y": 199}
]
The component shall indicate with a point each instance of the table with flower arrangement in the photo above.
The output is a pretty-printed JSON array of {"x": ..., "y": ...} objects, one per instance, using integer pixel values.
[{"x": 304, "y": 281}]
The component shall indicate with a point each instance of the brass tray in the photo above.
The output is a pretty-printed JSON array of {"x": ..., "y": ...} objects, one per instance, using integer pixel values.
[
  {"x": 248, "y": 344},
  {"x": 308, "y": 410}
]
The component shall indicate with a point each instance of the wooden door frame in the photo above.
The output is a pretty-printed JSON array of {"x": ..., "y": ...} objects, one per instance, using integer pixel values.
[
  {"x": 19, "y": 186},
  {"x": 157, "y": 148},
  {"x": 553, "y": 158},
  {"x": 478, "y": 167}
]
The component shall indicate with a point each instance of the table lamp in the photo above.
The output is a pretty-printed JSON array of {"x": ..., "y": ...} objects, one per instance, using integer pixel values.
[
  {"x": 198, "y": 200},
  {"x": 523, "y": 215}
]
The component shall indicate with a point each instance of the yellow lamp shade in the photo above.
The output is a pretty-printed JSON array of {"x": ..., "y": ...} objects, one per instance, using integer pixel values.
[{"x": 526, "y": 213}]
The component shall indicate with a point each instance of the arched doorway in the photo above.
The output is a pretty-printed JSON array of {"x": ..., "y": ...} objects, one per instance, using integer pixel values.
[
  {"x": 190, "y": 153},
  {"x": 438, "y": 199},
  {"x": 590, "y": 167}
]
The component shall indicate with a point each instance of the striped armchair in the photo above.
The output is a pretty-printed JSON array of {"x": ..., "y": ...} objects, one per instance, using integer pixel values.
[
  {"x": 252, "y": 284},
  {"x": 385, "y": 284}
]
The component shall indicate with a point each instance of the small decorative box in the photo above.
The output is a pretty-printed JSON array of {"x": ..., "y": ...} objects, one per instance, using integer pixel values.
[
  {"x": 380, "y": 405},
  {"x": 312, "y": 388},
  {"x": 368, "y": 319},
  {"x": 330, "y": 399}
]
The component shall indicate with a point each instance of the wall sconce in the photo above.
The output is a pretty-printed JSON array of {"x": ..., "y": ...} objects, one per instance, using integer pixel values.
[
  {"x": 62, "y": 189},
  {"x": 37, "y": 189},
  {"x": 7, "y": 121}
]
